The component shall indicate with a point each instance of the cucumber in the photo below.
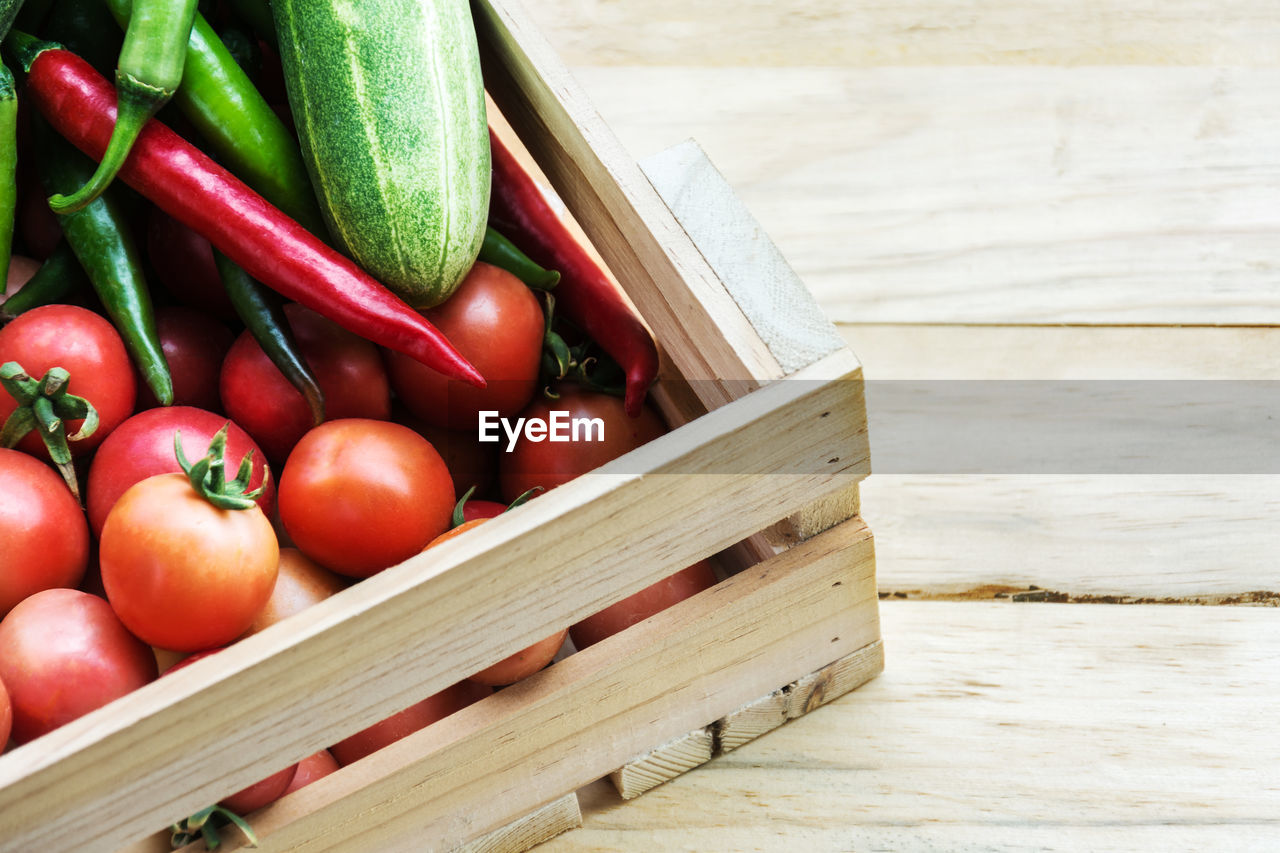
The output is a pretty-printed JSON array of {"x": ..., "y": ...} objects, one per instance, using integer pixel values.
[{"x": 389, "y": 106}]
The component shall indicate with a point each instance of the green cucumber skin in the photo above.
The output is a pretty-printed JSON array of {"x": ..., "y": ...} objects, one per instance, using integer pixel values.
[{"x": 389, "y": 105}]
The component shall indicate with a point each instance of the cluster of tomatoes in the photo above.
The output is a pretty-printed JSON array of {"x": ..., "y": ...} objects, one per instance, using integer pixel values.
[{"x": 232, "y": 510}]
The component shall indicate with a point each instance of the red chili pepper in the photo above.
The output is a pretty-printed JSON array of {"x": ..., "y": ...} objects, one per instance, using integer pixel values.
[
  {"x": 196, "y": 191},
  {"x": 585, "y": 294}
]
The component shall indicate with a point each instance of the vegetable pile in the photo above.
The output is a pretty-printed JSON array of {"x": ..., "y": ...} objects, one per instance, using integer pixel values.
[{"x": 243, "y": 369}]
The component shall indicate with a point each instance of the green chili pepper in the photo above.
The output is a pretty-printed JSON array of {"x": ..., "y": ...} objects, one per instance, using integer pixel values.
[
  {"x": 8, "y": 164},
  {"x": 58, "y": 277},
  {"x": 87, "y": 29},
  {"x": 242, "y": 131},
  {"x": 149, "y": 71},
  {"x": 501, "y": 252},
  {"x": 260, "y": 310},
  {"x": 99, "y": 235}
]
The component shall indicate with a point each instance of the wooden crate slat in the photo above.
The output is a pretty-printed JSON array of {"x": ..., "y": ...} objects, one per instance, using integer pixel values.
[
  {"x": 753, "y": 719},
  {"x": 704, "y": 334},
  {"x": 533, "y": 572},
  {"x": 664, "y": 762},
  {"x": 576, "y": 721},
  {"x": 800, "y": 697},
  {"x": 774, "y": 300},
  {"x": 524, "y": 833}
]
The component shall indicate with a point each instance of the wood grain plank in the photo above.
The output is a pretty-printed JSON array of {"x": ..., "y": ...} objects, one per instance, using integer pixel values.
[
  {"x": 1126, "y": 535},
  {"x": 1059, "y": 727},
  {"x": 919, "y": 351},
  {"x": 555, "y": 818},
  {"x": 912, "y": 32},
  {"x": 665, "y": 762},
  {"x": 984, "y": 194}
]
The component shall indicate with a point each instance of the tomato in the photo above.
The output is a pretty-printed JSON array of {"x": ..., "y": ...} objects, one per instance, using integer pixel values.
[
  {"x": 645, "y": 603},
  {"x": 194, "y": 345},
  {"x": 525, "y": 662},
  {"x": 470, "y": 463},
  {"x": 181, "y": 573},
  {"x": 360, "y": 495},
  {"x": 64, "y": 653},
  {"x": 142, "y": 447},
  {"x": 183, "y": 261},
  {"x": 260, "y": 794},
  {"x": 258, "y": 397},
  {"x": 6, "y": 716},
  {"x": 473, "y": 510},
  {"x": 553, "y": 463},
  {"x": 406, "y": 722},
  {"x": 311, "y": 768},
  {"x": 300, "y": 583},
  {"x": 84, "y": 344},
  {"x": 496, "y": 323},
  {"x": 45, "y": 535}
]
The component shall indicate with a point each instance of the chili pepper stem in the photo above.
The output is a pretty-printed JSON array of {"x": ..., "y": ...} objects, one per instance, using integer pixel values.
[{"x": 137, "y": 103}]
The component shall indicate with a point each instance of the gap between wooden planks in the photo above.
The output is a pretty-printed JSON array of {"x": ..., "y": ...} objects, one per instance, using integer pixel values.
[{"x": 1000, "y": 728}]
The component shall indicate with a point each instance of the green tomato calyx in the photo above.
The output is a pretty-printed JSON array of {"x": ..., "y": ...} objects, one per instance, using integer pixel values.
[{"x": 208, "y": 474}]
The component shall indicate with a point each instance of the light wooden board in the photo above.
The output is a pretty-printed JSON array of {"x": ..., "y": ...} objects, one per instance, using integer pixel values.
[
  {"x": 665, "y": 762},
  {"x": 922, "y": 351},
  {"x": 554, "y": 818},
  {"x": 1156, "y": 536},
  {"x": 1005, "y": 728},
  {"x": 989, "y": 194},
  {"x": 911, "y": 32}
]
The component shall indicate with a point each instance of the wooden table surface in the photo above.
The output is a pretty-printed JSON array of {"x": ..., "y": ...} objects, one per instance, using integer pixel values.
[{"x": 1010, "y": 189}]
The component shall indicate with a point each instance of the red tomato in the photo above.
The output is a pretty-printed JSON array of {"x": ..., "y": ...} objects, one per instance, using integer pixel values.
[
  {"x": 142, "y": 447},
  {"x": 300, "y": 583},
  {"x": 6, "y": 716},
  {"x": 84, "y": 344},
  {"x": 194, "y": 345},
  {"x": 406, "y": 722},
  {"x": 523, "y": 663},
  {"x": 645, "y": 603},
  {"x": 260, "y": 794},
  {"x": 258, "y": 397},
  {"x": 360, "y": 495},
  {"x": 64, "y": 653},
  {"x": 181, "y": 573},
  {"x": 183, "y": 261},
  {"x": 45, "y": 535},
  {"x": 311, "y": 768},
  {"x": 495, "y": 321},
  {"x": 551, "y": 463},
  {"x": 474, "y": 510},
  {"x": 470, "y": 463}
]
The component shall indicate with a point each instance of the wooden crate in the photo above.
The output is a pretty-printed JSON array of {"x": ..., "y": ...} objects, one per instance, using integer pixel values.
[{"x": 763, "y": 471}]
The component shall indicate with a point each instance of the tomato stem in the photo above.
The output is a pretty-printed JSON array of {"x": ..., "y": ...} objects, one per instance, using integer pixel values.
[
  {"x": 45, "y": 407},
  {"x": 202, "y": 825},
  {"x": 208, "y": 474}
]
